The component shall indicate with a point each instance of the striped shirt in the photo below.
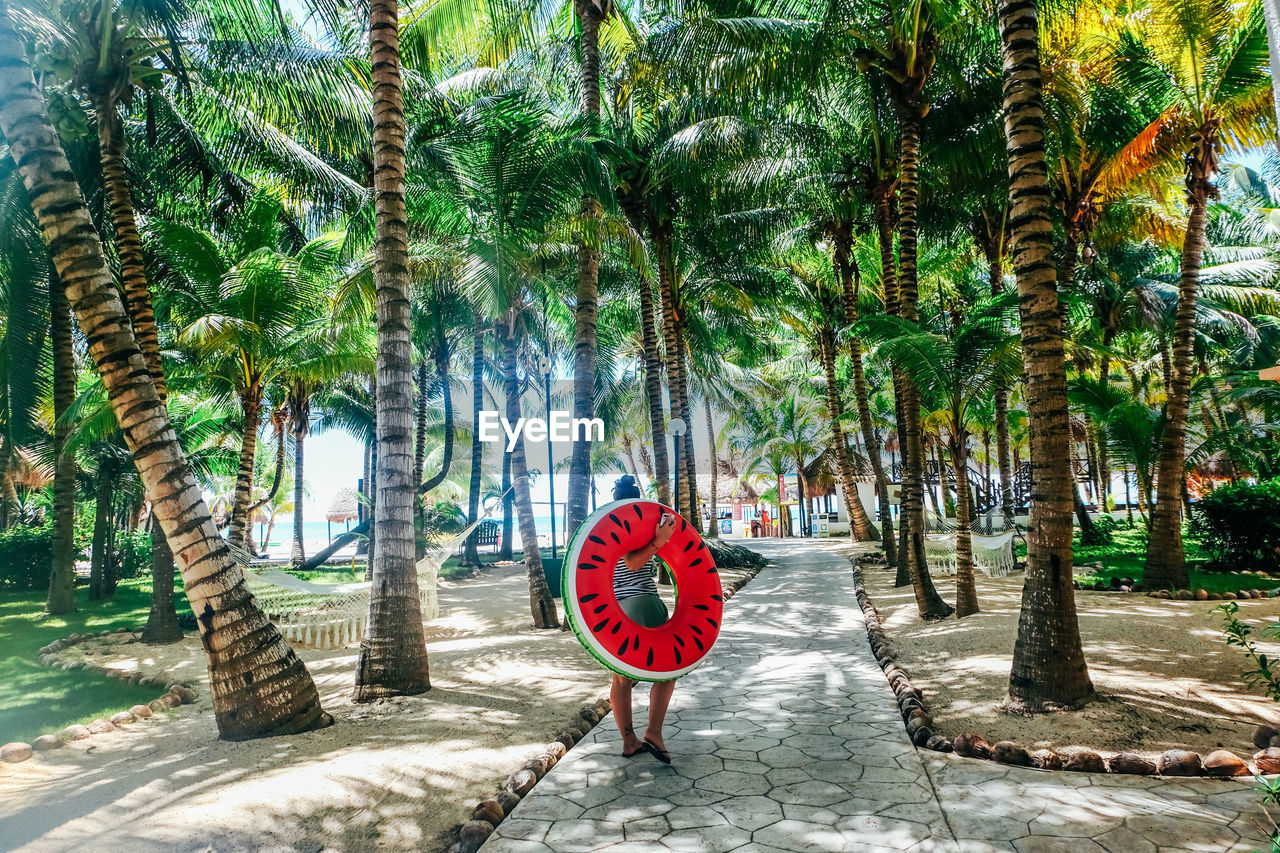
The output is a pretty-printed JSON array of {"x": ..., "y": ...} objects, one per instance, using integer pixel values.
[{"x": 629, "y": 584}]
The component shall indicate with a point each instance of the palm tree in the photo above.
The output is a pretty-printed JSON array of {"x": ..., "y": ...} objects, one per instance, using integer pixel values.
[
  {"x": 1048, "y": 670},
  {"x": 1207, "y": 60},
  {"x": 253, "y": 313},
  {"x": 471, "y": 556},
  {"x": 393, "y": 654},
  {"x": 956, "y": 371},
  {"x": 62, "y": 580},
  {"x": 590, "y": 15},
  {"x": 258, "y": 687}
]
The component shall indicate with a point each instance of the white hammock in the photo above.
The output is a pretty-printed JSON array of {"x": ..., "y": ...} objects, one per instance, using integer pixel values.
[
  {"x": 331, "y": 616},
  {"x": 992, "y": 555}
]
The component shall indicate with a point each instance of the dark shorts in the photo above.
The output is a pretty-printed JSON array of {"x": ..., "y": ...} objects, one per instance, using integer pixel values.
[{"x": 648, "y": 611}]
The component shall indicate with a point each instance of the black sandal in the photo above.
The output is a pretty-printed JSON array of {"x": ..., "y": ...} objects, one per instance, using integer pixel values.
[
  {"x": 656, "y": 751},
  {"x": 634, "y": 754}
]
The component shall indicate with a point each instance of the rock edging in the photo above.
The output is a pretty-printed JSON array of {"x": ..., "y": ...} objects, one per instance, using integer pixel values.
[
  {"x": 488, "y": 813},
  {"x": 1219, "y": 764},
  {"x": 176, "y": 693}
]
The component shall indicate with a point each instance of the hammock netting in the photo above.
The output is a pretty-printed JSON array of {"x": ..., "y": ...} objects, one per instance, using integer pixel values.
[
  {"x": 991, "y": 536},
  {"x": 331, "y": 616}
]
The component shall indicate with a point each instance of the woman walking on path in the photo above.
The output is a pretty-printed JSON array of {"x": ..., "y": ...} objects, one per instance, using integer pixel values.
[{"x": 638, "y": 597}]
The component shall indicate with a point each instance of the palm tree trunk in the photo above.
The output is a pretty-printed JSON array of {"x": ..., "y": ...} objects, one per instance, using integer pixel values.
[
  {"x": 162, "y": 622},
  {"x": 1166, "y": 560},
  {"x": 800, "y": 491},
  {"x": 929, "y": 603},
  {"x": 365, "y": 507},
  {"x": 677, "y": 387},
  {"x": 101, "y": 523},
  {"x": 446, "y": 456},
  {"x": 471, "y": 556},
  {"x": 393, "y": 653},
  {"x": 874, "y": 449},
  {"x": 859, "y": 524},
  {"x": 653, "y": 392},
  {"x": 1104, "y": 461},
  {"x": 588, "y": 284},
  {"x": 904, "y": 576},
  {"x": 133, "y": 271},
  {"x": 966, "y": 589},
  {"x": 1048, "y": 670},
  {"x": 689, "y": 476},
  {"x": 6, "y": 483},
  {"x": 420, "y": 439},
  {"x": 258, "y": 685},
  {"x": 995, "y": 260},
  {"x": 541, "y": 604},
  {"x": 505, "y": 546},
  {"x": 62, "y": 580},
  {"x": 278, "y": 418},
  {"x": 297, "y": 551},
  {"x": 237, "y": 533},
  {"x": 713, "y": 530}
]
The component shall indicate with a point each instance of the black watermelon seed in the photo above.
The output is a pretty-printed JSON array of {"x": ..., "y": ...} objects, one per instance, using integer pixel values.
[
  {"x": 616, "y": 520},
  {"x": 695, "y": 629},
  {"x": 586, "y": 567},
  {"x": 698, "y": 643},
  {"x": 584, "y": 599},
  {"x": 596, "y": 539},
  {"x": 616, "y": 628},
  {"x": 695, "y": 562},
  {"x": 717, "y": 598},
  {"x": 703, "y": 606},
  {"x": 683, "y": 525},
  {"x": 711, "y": 571},
  {"x": 678, "y": 639},
  {"x": 601, "y": 624},
  {"x": 627, "y": 525},
  {"x": 615, "y": 538},
  {"x": 702, "y": 546},
  {"x": 639, "y": 512},
  {"x": 635, "y": 642},
  {"x": 649, "y": 659},
  {"x": 622, "y": 650},
  {"x": 687, "y": 546},
  {"x": 677, "y": 651},
  {"x": 602, "y": 608},
  {"x": 714, "y": 623},
  {"x": 596, "y": 558}
]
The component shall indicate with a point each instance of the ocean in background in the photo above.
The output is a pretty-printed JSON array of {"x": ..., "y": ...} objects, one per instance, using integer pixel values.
[{"x": 315, "y": 535}]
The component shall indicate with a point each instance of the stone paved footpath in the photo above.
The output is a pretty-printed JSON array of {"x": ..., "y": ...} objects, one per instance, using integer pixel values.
[{"x": 787, "y": 739}]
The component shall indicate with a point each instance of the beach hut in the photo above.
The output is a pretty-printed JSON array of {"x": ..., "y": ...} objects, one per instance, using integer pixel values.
[{"x": 343, "y": 509}]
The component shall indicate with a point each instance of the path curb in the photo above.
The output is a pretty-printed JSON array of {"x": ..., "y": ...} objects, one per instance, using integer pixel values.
[{"x": 919, "y": 724}]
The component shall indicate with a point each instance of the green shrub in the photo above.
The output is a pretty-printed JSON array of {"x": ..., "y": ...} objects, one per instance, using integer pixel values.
[
  {"x": 26, "y": 557},
  {"x": 1102, "y": 533},
  {"x": 133, "y": 553},
  {"x": 1239, "y": 526}
]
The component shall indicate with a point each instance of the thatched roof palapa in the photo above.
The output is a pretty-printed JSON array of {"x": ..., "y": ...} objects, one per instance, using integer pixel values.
[{"x": 344, "y": 507}]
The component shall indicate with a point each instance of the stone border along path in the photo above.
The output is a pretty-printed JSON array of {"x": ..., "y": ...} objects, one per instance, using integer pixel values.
[{"x": 788, "y": 739}]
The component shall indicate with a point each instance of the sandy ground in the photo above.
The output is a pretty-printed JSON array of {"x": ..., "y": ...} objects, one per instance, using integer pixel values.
[
  {"x": 1163, "y": 671},
  {"x": 394, "y": 775}
]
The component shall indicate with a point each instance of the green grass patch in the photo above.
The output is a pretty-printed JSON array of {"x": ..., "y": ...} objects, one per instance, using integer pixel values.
[
  {"x": 1126, "y": 555},
  {"x": 35, "y": 699}
]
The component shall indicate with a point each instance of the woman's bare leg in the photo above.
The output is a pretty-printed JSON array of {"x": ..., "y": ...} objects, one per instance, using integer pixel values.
[
  {"x": 659, "y": 699},
  {"x": 620, "y": 698}
]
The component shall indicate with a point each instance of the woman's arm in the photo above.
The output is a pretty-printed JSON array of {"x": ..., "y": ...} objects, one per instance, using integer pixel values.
[{"x": 640, "y": 557}]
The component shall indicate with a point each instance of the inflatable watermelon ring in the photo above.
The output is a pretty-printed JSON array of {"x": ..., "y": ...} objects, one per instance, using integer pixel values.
[{"x": 646, "y": 654}]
